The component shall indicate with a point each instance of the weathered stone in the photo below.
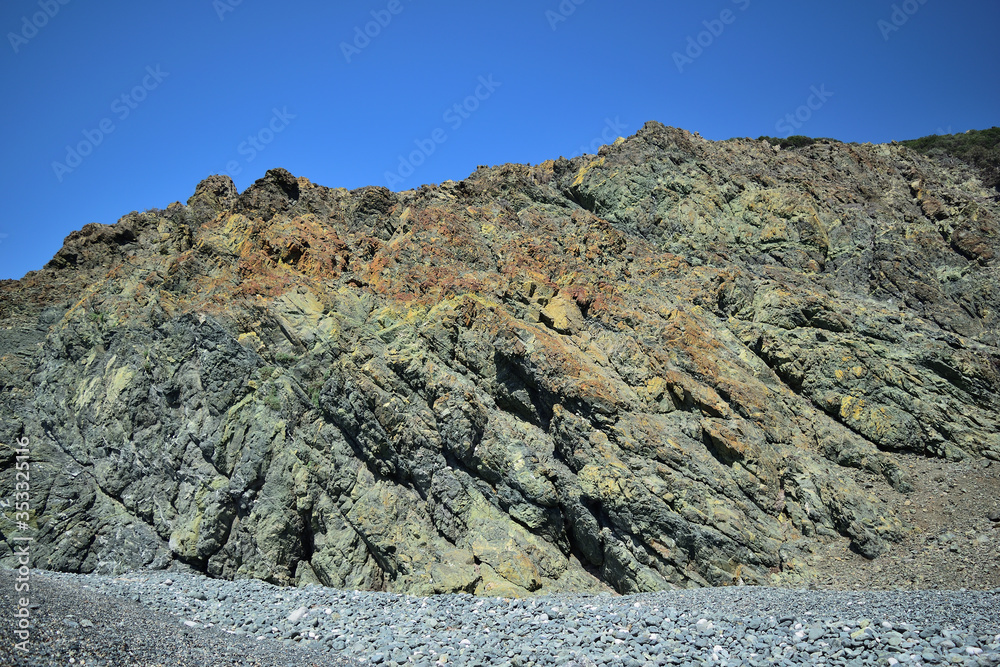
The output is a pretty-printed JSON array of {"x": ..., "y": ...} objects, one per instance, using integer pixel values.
[
  {"x": 563, "y": 315},
  {"x": 642, "y": 371}
]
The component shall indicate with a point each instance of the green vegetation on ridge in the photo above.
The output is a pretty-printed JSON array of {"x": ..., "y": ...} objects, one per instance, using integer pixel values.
[
  {"x": 979, "y": 148},
  {"x": 794, "y": 141}
]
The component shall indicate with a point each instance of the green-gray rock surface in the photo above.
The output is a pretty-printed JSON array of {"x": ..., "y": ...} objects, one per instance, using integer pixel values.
[{"x": 649, "y": 368}]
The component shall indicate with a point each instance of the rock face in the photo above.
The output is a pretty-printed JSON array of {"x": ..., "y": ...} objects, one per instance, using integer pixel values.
[{"x": 637, "y": 370}]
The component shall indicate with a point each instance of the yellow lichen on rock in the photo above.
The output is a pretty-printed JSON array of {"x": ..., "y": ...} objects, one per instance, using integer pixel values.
[
  {"x": 583, "y": 170},
  {"x": 563, "y": 315}
]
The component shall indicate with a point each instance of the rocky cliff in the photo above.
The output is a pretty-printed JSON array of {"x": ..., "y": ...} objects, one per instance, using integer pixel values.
[{"x": 649, "y": 368}]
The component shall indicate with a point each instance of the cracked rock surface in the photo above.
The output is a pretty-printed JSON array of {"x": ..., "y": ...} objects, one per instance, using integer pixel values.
[{"x": 673, "y": 364}]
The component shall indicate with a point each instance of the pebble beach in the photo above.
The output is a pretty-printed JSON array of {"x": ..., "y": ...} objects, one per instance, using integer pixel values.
[{"x": 161, "y": 618}]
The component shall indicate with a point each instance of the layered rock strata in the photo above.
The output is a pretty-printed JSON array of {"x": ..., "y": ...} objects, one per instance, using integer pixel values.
[{"x": 643, "y": 369}]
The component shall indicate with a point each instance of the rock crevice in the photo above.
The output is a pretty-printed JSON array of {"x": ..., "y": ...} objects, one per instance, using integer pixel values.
[{"x": 645, "y": 369}]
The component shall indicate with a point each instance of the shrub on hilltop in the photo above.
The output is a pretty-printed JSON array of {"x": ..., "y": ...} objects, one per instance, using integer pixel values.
[{"x": 979, "y": 148}]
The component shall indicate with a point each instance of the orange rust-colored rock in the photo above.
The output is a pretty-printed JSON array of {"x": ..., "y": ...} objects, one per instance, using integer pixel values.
[{"x": 644, "y": 370}]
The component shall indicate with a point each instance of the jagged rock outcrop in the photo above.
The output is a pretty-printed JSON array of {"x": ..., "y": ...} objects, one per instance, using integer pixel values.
[{"x": 642, "y": 369}]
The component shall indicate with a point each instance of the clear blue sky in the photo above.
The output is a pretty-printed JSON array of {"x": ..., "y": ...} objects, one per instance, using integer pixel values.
[{"x": 211, "y": 74}]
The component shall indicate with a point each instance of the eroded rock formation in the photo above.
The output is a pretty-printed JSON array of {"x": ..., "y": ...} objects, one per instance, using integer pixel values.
[{"x": 642, "y": 369}]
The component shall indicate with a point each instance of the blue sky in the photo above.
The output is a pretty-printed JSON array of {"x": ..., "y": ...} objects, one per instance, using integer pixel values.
[{"x": 118, "y": 106}]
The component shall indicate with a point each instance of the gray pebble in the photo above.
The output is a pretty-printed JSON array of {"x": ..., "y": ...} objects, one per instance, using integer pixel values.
[{"x": 721, "y": 626}]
